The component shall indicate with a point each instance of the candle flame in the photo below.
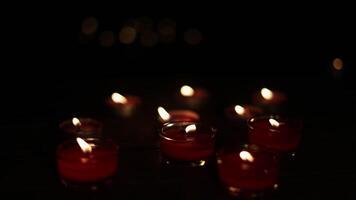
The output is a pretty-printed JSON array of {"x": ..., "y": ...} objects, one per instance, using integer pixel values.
[
  {"x": 239, "y": 110},
  {"x": 76, "y": 122},
  {"x": 118, "y": 98},
  {"x": 187, "y": 91},
  {"x": 163, "y": 114},
  {"x": 266, "y": 93},
  {"x": 190, "y": 128},
  {"x": 86, "y": 148},
  {"x": 245, "y": 155},
  {"x": 274, "y": 122}
]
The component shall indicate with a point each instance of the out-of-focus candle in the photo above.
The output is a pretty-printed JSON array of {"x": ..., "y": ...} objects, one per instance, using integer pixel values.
[
  {"x": 82, "y": 127},
  {"x": 337, "y": 68},
  {"x": 269, "y": 97},
  {"x": 242, "y": 112},
  {"x": 86, "y": 161},
  {"x": 275, "y": 133},
  {"x": 177, "y": 115},
  {"x": 193, "y": 97},
  {"x": 246, "y": 171},
  {"x": 124, "y": 105}
]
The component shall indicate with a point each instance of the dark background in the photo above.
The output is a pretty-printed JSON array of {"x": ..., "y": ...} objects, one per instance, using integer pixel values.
[{"x": 290, "y": 50}]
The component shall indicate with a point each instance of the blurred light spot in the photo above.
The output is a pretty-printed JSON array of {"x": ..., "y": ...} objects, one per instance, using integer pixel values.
[
  {"x": 76, "y": 122},
  {"x": 239, "y": 110},
  {"x": 338, "y": 64},
  {"x": 275, "y": 186},
  {"x": 86, "y": 148},
  {"x": 149, "y": 38},
  {"x": 219, "y": 161},
  {"x": 246, "y": 156},
  {"x": 234, "y": 189},
  {"x": 163, "y": 114},
  {"x": 202, "y": 163},
  {"x": 106, "y": 38},
  {"x": 245, "y": 166},
  {"x": 190, "y": 128},
  {"x": 84, "y": 160},
  {"x": 193, "y": 36},
  {"x": 118, "y": 98},
  {"x": 167, "y": 30},
  {"x": 266, "y": 93},
  {"x": 187, "y": 91},
  {"x": 127, "y": 35},
  {"x": 274, "y": 122},
  {"x": 89, "y": 25}
]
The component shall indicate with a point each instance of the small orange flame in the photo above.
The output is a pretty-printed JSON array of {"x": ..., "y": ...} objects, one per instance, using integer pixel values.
[
  {"x": 76, "y": 122},
  {"x": 239, "y": 110},
  {"x": 266, "y": 93},
  {"x": 245, "y": 155},
  {"x": 187, "y": 91},
  {"x": 118, "y": 98},
  {"x": 163, "y": 114},
  {"x": 274, "y": 122},
  {"x": 190, "y": 128},
  {"x": 86, "y": 148}
]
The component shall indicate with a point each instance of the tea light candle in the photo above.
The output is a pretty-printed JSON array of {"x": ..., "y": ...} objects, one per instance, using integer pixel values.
[
  {"x": 275, "y": 133},
  {"x": 86, "y": 161},
  {"x": 186, "y": 141},
  {"x": 269, "y": 97},
  {"x": 192, "y": 97},
  {"x": 177, "y": 115},
  {"x": 82, "y": 127},
  {"x": 244, "y": 113},
  {"x": 123, "y": 105},
  {"x": 245, "y": 171}
]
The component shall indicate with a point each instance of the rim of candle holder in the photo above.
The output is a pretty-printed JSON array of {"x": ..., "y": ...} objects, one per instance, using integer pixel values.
[
  {"x": 192, "y": 114},
  {"x": 183, "y": 125},
  {"x": 295, "y": 122},
  {"x": 98, "y": 142}
]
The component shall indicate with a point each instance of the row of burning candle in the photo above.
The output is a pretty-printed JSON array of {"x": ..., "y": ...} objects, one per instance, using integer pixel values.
[
  {"x": 183, "y": 138},
  {"x": 195, "y": 98}
]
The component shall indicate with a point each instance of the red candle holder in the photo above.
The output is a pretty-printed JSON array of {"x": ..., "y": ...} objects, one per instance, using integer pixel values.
[
  {"x": 247, "y": 171},
  {"x": 177, "y": 116},
  {"x": 88, "y": 163},
  {"x": 194, "y": 98},
  {"x": 187, "y": 143},
  {"x": 275, "y": 133},
  {"x": 82, "y": 127},
  {"x": 124, "y": 106}
]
